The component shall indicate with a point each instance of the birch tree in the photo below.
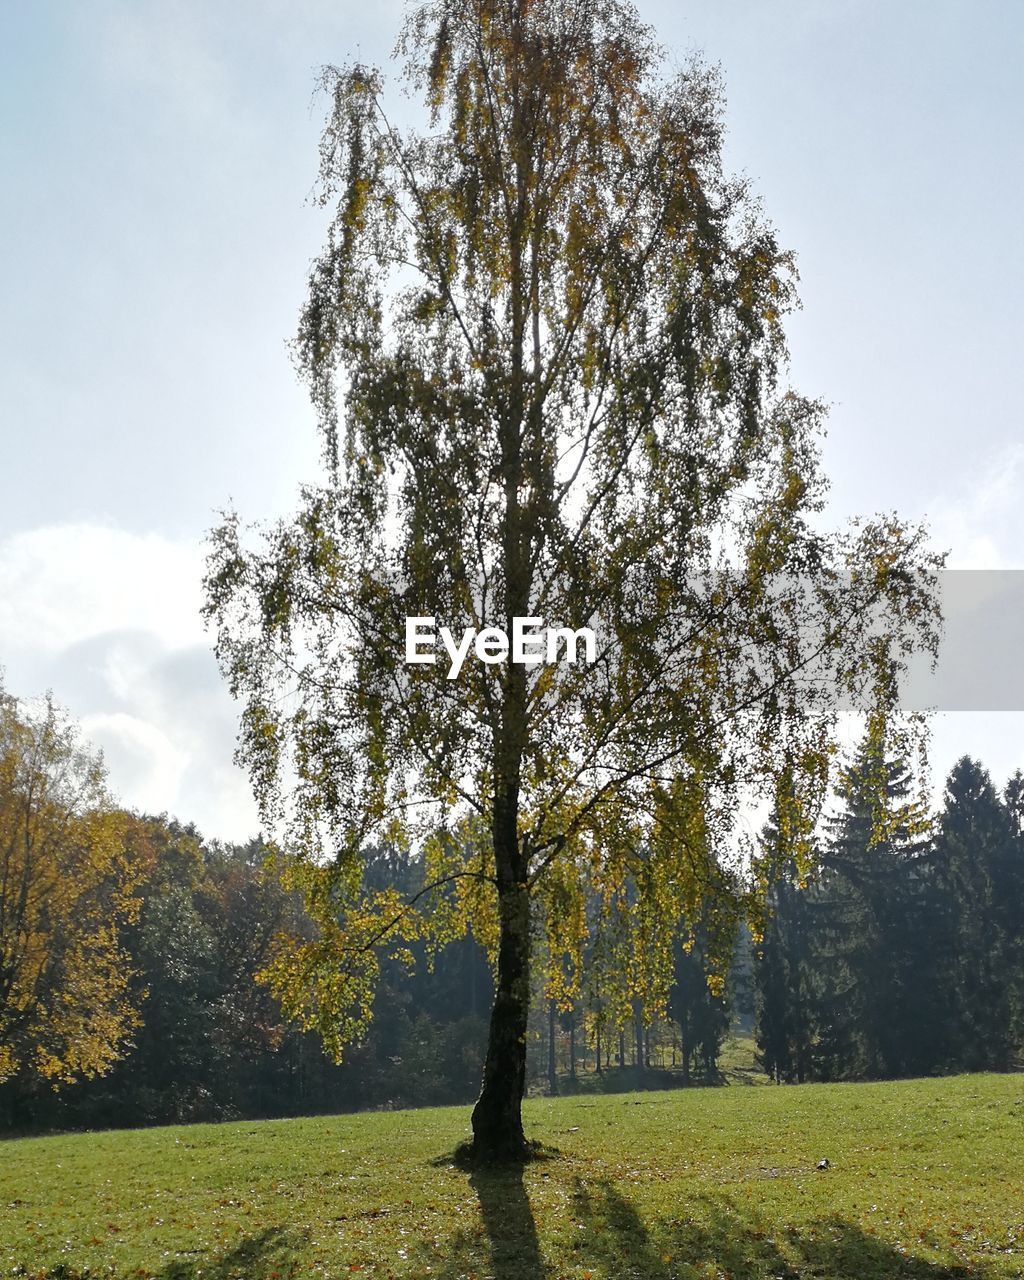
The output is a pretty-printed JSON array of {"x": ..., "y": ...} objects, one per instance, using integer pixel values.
[{"x": 545, "y": 344}]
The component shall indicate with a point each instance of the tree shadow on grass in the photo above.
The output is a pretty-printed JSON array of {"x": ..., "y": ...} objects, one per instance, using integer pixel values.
[
  {"x": 504, "y": 1246},
  {"x": 721, "y": 1239},
  {"x": 508, "y": 1223},
  {"x": 601, "y": 1233},
  {"x": 267, "y": 1256}
]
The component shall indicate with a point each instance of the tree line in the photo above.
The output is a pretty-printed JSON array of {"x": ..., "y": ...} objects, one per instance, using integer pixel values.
[
  {"x": 129, "y": 956},
  {"x": 902, "y": 952},
  {"x": 135, "y": 957}
]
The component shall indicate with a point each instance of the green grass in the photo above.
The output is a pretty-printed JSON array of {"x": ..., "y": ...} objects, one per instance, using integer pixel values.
[
  {"x": 737, "y": 1060},
  {"x": 737, "y": 1064},
  {"x": 925, "y": 1182}
]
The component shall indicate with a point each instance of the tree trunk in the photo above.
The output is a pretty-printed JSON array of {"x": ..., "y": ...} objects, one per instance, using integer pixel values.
[
  {"x": 597, "y": 1047},
  {"x": 572, "y": 1046},
  {"x": 497, "y": 1116},
  {"x": 552, "y": 1064}
]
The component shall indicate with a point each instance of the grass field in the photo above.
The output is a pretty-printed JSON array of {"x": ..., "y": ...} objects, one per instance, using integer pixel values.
[{"x": 926, "y": 1180}]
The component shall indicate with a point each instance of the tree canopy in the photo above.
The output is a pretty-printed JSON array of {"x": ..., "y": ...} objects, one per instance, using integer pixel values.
[
  {"x": 69, "y": 875},
  {"x": 544, "y": 340}
]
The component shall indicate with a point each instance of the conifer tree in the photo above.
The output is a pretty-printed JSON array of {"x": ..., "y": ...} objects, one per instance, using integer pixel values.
[
  {"x": 697, "y": 1004},
  {"x": 863, "y": 924},
  {"x": 1013, "y": 798},
  {"x": 977, "y": 865},
  {"x": 783, "y": 971}
]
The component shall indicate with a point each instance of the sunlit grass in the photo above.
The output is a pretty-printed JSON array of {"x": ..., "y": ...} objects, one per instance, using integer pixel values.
[{"x": 924, "y": 1180}]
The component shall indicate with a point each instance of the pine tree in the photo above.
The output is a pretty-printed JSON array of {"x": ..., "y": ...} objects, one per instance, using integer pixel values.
[
  {"x": 701, "y": 1014},
  {"x": 868, "y": 935},
  {"x": 1013, "y": 903},
  {"x": 783, "y": 972},
  {"x": 976, "y": 860}
]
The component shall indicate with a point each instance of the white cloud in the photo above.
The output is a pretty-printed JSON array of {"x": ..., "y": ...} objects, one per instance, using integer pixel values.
[
  {"x": 69, "y": 582},
  {"x": 982, "y": 523},
  {"x": 145, "y": 760},
  {"x": 109, "y": 620}
]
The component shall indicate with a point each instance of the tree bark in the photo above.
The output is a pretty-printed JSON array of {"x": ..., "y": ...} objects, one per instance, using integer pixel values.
[
  {"x": 497, "y": 1117},
  {"x": 552, "y": 1060},
  {"x": 498, "y": 1114}
]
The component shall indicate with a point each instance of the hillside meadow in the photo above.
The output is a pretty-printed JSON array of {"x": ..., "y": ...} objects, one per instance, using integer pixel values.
[{"x": 924, "y": 1181}]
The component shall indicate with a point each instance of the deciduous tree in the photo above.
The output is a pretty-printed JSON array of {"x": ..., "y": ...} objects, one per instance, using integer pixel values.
[
  {"x": 69, "y": 875},
  {"x": 545, "y": 343}
]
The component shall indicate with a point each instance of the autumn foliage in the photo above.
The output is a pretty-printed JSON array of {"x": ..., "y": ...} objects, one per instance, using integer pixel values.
[{"x": 70, "y": 870}]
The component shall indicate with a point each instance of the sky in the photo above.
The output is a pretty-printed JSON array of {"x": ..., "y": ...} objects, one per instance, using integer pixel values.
[{"x": 156, "y": 233}]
